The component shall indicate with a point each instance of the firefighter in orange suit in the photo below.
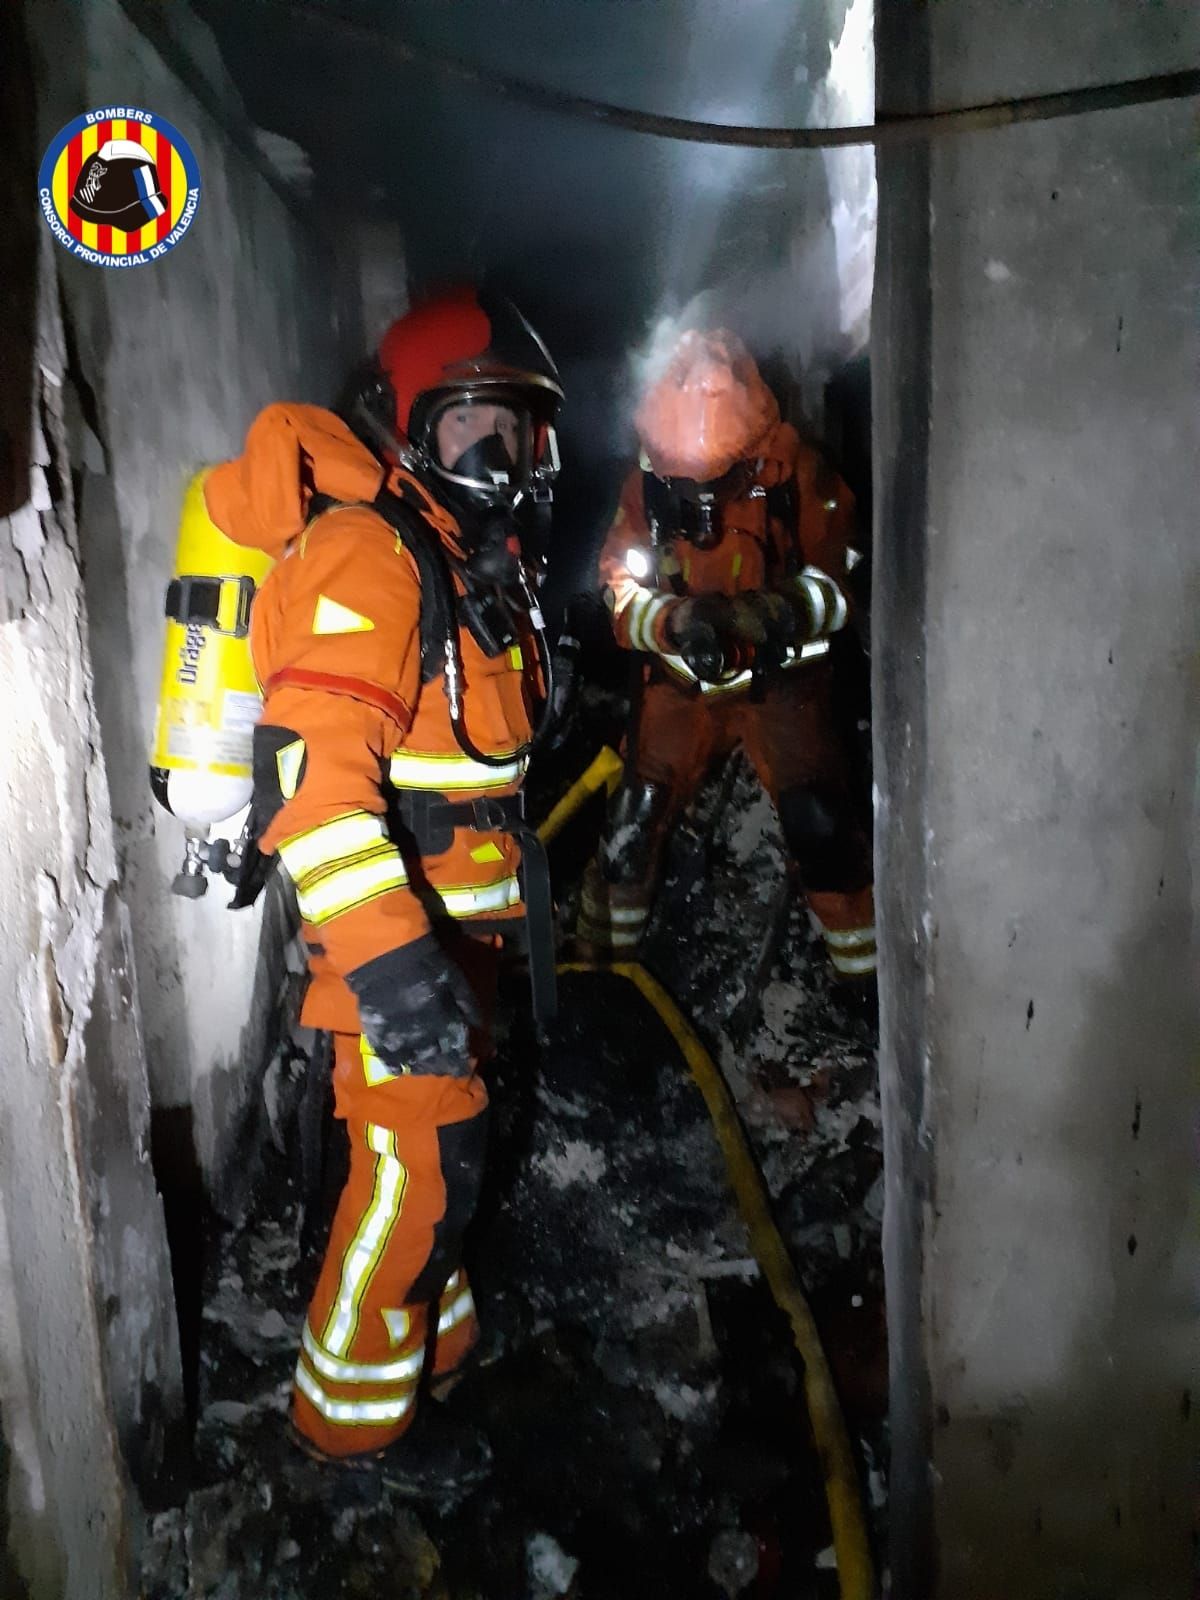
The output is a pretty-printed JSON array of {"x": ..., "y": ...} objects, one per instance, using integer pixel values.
[
  {"x": 387, "y": 766},
  {"x": 725, "y": 568}
]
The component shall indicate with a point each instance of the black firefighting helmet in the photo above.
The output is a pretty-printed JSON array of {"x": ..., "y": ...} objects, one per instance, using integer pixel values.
[{"x": 118, "y": 186}]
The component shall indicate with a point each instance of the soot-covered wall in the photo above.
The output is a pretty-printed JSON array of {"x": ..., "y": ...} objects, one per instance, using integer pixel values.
[{"x": 171, "y": 361}]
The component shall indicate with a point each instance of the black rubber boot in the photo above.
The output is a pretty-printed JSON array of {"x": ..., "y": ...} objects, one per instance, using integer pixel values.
[{"x": 439, "y": 1458}]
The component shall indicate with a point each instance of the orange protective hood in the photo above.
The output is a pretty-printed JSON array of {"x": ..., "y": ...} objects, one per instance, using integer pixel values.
[
  {"x": 292, "y": 452},
  {"x": 709, "y": 409}
]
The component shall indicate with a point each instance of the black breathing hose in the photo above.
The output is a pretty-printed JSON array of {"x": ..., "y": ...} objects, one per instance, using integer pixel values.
[{"x": 453, "y": 679}]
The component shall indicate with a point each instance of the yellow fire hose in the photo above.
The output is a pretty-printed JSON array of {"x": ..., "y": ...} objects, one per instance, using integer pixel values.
[
  {"x": 856, "y": 1577},
  {"x": 603, "y": 773}
]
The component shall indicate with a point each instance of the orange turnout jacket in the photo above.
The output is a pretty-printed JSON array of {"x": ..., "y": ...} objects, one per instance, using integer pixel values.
[
  {"x": 807, "y": 560},
  {"x": 335, "y": 637}
]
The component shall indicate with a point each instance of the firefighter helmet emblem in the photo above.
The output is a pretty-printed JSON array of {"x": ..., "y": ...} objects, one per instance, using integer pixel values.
[{"x": 119, "y": 187}]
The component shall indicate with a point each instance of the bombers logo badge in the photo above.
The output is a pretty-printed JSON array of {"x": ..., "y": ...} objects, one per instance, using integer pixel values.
[{"x": 119, "y": 187}]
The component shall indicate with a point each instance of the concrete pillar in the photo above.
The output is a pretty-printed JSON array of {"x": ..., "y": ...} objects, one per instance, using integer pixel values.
[{"x": 1038, "y": 572}]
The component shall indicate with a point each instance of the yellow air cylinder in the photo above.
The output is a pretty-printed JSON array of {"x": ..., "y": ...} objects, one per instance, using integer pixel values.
[{"x": 200, "y": 763}]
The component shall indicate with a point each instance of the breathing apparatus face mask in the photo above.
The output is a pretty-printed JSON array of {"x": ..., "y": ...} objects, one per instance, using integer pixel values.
[
  {"x": 493, "y": 450},
  {"x": 693, "y": 510},
  {"x": 490, "y": 444}
]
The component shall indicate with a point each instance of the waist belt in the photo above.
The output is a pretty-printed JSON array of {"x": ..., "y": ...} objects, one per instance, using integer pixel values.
[{"x": 432, "y": 819}]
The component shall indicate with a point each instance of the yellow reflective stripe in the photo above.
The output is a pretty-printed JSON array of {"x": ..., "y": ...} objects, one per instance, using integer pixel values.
[
  {"x": 367, "y": 1247},
  {"x": 354, "y": 1413},
  {"x": 374, "y": 1071},
  {"x": 464, "y": 902},
  {"x": 411, "y": 769},
  {"x": 456, "y": 1312},
  {"x": 347, "y": 835},
  {"x": 851, "y": 950},
  {"x": 405, "y": 1369},
  {"x": 341, "y": 889}
]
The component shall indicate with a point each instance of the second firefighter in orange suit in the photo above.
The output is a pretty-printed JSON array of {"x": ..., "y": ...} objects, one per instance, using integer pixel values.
[
  {"x": 355, "y": 760},
  {"x": 726, "y": 568}
]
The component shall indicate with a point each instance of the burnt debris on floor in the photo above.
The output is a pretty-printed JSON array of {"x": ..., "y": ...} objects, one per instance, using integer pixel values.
[{"x": 639, "y": 1386}]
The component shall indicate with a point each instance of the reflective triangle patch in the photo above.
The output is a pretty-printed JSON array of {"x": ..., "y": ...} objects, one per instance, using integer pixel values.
[
  {"x": 487, "y": 852},
  {"x": 289, "y": 764},
  {"x": 330, "y": 617},
  {"x": 398, "y": 1324}
]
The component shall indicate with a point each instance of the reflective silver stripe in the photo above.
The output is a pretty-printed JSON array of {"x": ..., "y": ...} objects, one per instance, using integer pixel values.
[
  {"x": 456, "y": 1312},
  {"x": 641, "y": 609},
  {"x": 852, "y": 964},
  {"x": 409, "y": 769},
  {"x": 831, "y": 595},
  {"x": 637, "y": 608},
  {"x": 405, "y": 1369},
  {"x": 652, "y": 611},
  {"x": 466, "y": 902},
  {"x": 600, "y": 912},
  {"x": 806, "y": 652},
  {"x": 374, "y": 1071},
  {"x": 398, "y": 1323},
  {"x": 346, "y": 887},
  {"x": 347, "y": 835},
  {"x": 363, "y": 1254},
  {"x": 678, "y": 665},
  {"x": 627, "y": 914},
  {"x": 354, "y": 1412},
  {"x": 741, "y": 680},
  {"x": 631, "y": 603},
  {"x": 622, "y": 937},
  {"x": 815, "y": 594},
  {"x": 846, "y": 938}
]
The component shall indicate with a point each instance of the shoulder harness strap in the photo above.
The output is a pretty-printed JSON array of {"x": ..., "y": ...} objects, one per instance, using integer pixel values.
[{"x": 424, "y": 545}]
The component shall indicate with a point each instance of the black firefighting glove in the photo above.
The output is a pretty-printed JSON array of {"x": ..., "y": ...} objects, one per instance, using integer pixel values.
[
  {"x": 701, "y": 630},
  {"x": 767, "y": 620},
  {"x": 416, "y": 1009}
]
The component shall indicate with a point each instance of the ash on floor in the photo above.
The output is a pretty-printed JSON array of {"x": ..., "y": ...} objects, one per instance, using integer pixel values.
[{"x": 642, "y": 1395}]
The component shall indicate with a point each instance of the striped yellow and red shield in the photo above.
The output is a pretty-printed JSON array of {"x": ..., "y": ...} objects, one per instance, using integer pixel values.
[{"x": 172, "y": 179}]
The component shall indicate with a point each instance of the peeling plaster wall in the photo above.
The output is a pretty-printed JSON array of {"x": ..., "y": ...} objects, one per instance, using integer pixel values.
[
  {"x": 1037, "y": 600},
  {"x": 171, "y": 363},
  {"x": 90, "y": 1392}
]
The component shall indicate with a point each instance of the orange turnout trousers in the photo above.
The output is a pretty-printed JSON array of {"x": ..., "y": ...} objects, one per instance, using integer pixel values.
[
  {"x": 353, "y": 729},
  {"x": 385, "y": 1301}
]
